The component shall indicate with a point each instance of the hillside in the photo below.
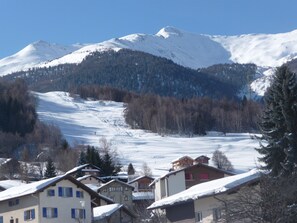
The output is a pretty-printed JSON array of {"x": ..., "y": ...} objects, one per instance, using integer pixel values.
[
  {"x": 129, "y": 70},
  {"x": 85, "y": 122}
]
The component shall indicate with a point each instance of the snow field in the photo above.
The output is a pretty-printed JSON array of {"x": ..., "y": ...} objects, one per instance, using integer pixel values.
[{"x": 85, "y": 122}]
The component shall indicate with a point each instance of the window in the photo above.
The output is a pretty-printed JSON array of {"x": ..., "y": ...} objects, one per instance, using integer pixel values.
[
  {"x": 189, "y": 176},
  {"x": 79, "y": 194},
  {"x": 126, "y": 198},
  {"x": 216, "y": 212},
  {"x": 50, "y": 212},
  {"x": 78, "y": 213},
  {"x": 13, "y": 202},
  {"x": 111, "y": 189},
  {"x": 198, "y": 216},
  {"x": 203, "y": 176},
  {"x": 65, "y": 192},
  {"x": 51, "y": 193},
  {"x": 29, "y": 214},
  {"x": 1, "y": 219},
  {"x": 143, "y": 186}
]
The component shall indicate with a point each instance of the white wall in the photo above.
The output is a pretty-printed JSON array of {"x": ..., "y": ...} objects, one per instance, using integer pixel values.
[
  {"x": 176, "y": 183},
  {"x": 17, "y": 211},
  {"x": 64, "y": 205}
]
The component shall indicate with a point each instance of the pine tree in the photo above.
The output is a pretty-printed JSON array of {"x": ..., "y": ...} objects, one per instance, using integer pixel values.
[
  {"x": 50, "y": 169},
  {"x": 131, "y": 170},
  {"x": 278, "y": 124}
]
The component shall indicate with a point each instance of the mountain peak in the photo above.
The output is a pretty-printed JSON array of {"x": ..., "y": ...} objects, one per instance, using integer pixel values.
[{"x": 169, "y": 31}]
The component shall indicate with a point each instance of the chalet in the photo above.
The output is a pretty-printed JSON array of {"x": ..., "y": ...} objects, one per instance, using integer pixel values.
[
  {"x": 142, "y": 195},
  {"x": 204, "y": 202},
  {"x": 113, "y": 213},
  {"x": 120, "y": 192},
  {"x": 141, "y": 184},
  {"x": 182, "y": 179},
  {"x": 201, "y": 159},
  {"x": 182, "y": 162},
  {"x": 58, "y": 199}
]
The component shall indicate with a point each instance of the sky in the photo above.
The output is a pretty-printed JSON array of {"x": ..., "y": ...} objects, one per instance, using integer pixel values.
[{"x": 91, "y": 21}]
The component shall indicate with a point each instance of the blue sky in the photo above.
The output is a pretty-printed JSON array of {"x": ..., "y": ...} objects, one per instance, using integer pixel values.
[{"x": 89, "y": 21}]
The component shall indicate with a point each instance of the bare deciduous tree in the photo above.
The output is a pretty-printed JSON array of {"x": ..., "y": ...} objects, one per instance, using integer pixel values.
[
  {"x": 221, "y": 161},
  {"x": 146, "y": 170}
]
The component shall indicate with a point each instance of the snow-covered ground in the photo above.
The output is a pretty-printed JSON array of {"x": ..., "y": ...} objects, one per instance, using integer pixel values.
[{"x": 85, "y": 122}]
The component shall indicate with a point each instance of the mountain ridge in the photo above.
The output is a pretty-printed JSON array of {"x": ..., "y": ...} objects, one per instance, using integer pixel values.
[{"x": 184, "y": 48}]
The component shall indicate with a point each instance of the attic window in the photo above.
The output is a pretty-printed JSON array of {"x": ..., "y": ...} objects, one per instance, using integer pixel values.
[
  {"x": 13, "y": 202},
  {"x": 203, "y": 176},
  {"x": 189, "y": 176}
]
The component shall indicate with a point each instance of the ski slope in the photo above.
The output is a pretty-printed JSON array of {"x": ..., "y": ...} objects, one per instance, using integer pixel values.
[{"x": 85, "y": 122}]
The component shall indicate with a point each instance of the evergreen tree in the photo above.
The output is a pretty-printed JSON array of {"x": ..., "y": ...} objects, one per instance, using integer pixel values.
[
  {"x": 50, "y": 169},
  {"x": 131, "y": 170},
  {"x": 82, "y": 158},
  {"x": 278, "y": 124}
]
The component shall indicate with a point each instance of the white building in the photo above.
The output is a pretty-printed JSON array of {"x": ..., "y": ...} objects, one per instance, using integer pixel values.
[
  {"x": 203, "y": 202},
  {"x": 58, "y": 199}
]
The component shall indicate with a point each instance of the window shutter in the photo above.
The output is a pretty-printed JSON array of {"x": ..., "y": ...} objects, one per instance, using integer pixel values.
[
  {"x": 53, "y": 193},
  {"x": 33, "y": 214},
  {"x": 25, "y": 215},
  {"x": 71, "y": 192},
  {"x": 55, "y": 212},
  {"x": 60, "y": 192},
  {"x": 84, "y": 213},
  {"x": 72, "y": 212},
  {"x": 44, "y": 212},
  {"x": 77, "y": 194},
  {"x": 1, "y": 219}
]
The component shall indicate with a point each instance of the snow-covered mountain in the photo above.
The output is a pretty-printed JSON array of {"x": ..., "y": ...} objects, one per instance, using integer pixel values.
[
  {"x": 196, "y": 50},
  {"x": 184, "y": 48},
  {"x": 34, "y": 54}
]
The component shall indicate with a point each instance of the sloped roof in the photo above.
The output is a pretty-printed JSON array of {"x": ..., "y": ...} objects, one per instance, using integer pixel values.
[
  {"x": 87, "y": 176},
  {"x": 105, "y": 211},
  {"x": 140, "y": 177},
  {"x": 81, "y": 167},
  {"x": 32, "y": 188},
  {"x": 209, "y": 188},
  {"x": 6, "y": 184},
  {"x": 117, "y": 181},
  {"x": 181, "y": 158}
]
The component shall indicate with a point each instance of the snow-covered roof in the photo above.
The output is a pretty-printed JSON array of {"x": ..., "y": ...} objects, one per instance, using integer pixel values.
[
  {"x": 136, "y": 196},
  {"x": 75, "y": 169},
  {"x": 93, "y": 187},
  {"x": 6, "y": 184},
  {"x": 27, "y": 189},
  {"x": 181, "y": 158},
  {"x": 115, "y": 180},
  {"x": 4, "y": 160},
  {"x": 38, "y": 186},
  {"x": 87, "y": 176},
  {"x": 208, "y": 188},
  {"x": 140, "y": 177},
  {"x": 105, "y": 211}
]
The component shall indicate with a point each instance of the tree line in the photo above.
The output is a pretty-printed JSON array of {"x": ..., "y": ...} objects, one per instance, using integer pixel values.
[{"x": 191, "y": 116}]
